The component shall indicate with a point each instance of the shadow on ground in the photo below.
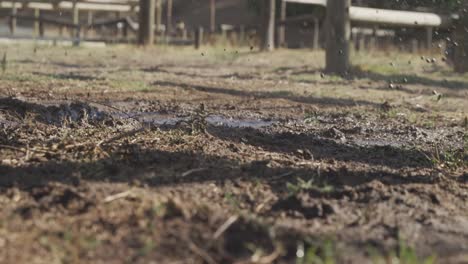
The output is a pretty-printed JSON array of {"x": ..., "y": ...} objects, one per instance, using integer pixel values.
[
  {"x": 321, "y": 101},
  {"x": 131, "y": 162},
  {"x": 410, "y": 79}
]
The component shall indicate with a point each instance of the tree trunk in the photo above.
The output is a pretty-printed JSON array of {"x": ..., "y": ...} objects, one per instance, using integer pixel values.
[
  {"x": 338, "y": 36},
  {"x": 269, "y": 11},
  {"x": 146, "y": 22}
]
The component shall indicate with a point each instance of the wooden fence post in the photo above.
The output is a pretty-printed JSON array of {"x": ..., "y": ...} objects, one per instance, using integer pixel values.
[
  {"x": 41, "y": 29},
  {"x": 282, "y": 27},
  {"x": 89, "y": 22},
  {"x": 77, "y": 37},
  {"x": 13, "y": 19},
  {"x": 117, "y": 31},
  {"x": 361, "y": 41},
  {"x": 269, "y": 12},
  {"x": 316, "y": 41},
  {"x": 414, "y": 45},
  {"x": 169, "y": 18},
  {"x": 37, "y": 14},
  {"x": 61, "y": 30},
  {"x": 158, "y": 17},
  {"x": 241, "y": 35},
  {"x": 224, "y": 33},
  {"x": 429, "y": 32},
  {"x": 198, "y": 38},
  {"x": 461, "y": 44},
  {"x": 146, "y": 22},
  {"x": 338, "y": 36},
  {"x": 212, "y": 16},
  {"x": 125, "y": 32},
  {"x": 373, "y": 44},
  {"x": 76, "y": 19}
]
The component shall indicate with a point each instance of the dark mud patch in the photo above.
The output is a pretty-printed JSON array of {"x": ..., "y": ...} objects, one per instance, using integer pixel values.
[
  {"x": 56, "y": 198},
  {"x": 16, "y": 111},
  {"x": 302, "y": 206}
]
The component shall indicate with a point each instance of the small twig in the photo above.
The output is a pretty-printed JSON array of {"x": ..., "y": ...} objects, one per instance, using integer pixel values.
[
  {"x": 104, "y": 141},
  {"x": 262, "y": 205},
  {"x": 13, "y": 148},
  {"x": 270, "y": 258},
  {"x": 24, "y": 150},
  {"x": 231, "y": 220},
  {"x": 118, "y": 196},
  {"x": 123, "y": 135},
  {"x": 202, "y": 253},
  {"x": 278, "y": 177},
  {"x": 111, "y": 107},
  {"x": 187, "y": 173}
]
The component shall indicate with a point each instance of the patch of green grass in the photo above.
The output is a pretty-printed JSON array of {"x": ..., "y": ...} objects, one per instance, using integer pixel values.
[
  {"x": 405, "y": 254},
  {"x": 232, "y": 199},
  {"x": 148, "y": 246},
  {"x": 130, "y": 85},
  {"x": 324, "y": 254},
  {"x": 389, "y": 114},
  {"x": 413, "y": 118},
  {"x": 430, "y": 122},
  {"x": 383, "y": 69},
  {"x": 449, "y": 158},
  {"x": 310, "y": 77},
  {"x": 314, "y": 183},
  {"x": 23, "y": 77},
  {"x": 225, "y": 54},
  {"x": 311, "y": 117},
  {"x": 176, "y": 137}
]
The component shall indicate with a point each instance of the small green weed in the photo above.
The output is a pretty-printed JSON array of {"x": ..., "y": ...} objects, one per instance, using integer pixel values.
[
  {"x": 232, "y": 199},
  {"x": 4, "y": 63},
  {"x": 324, "y": 254},
  {"x": 451, "y": 159},
  {"x": 306, "y": 185}
]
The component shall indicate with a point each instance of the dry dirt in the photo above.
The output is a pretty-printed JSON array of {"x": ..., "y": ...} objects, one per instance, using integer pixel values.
[{"x": 170, "y": 155}]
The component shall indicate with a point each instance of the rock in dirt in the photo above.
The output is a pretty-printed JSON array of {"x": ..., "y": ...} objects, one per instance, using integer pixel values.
[{"x": 335, "y": 134}]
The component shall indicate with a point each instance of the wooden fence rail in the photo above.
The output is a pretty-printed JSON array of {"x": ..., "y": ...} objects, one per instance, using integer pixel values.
[
  {"x": 340, "y": 14},
  {"x": 128, "y": 24},
  {"x": 46, "y": 20}
]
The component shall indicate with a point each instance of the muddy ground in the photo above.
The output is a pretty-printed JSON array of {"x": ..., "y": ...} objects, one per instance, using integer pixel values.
[{"x": 170, "y": 155}]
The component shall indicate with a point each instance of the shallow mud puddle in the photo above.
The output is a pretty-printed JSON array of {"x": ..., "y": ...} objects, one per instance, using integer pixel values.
[
  {"x": 377, "y": 143},
  {"x": 215, "y": 120}
]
